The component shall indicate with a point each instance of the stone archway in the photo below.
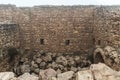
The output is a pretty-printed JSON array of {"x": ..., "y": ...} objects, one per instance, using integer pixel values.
[
  {"x": 98, "y": 58},
  {"x": 99, "y": 55}
]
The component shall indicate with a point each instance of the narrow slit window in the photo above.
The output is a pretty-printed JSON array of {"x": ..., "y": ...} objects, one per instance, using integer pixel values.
[
  {"x": 94, "y": 41},
  {"x": 42, "y": 41},
  {"x": 99, "y": 42},
  {"x": 67, "y": 42}
]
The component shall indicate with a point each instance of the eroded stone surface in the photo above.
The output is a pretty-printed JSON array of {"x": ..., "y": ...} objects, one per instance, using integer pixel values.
[
  {"x": 108, "y": 55},
  {"x": 6, "y": 75},
  {"x": 47, "y": 74},
  {"x": 98, "y": 72},
  {"x": 27, "y": 76},
  {"x": 103, "y": 72},
  {"x": 65, "y": 76},
  {"x": 84, "y": 75}
]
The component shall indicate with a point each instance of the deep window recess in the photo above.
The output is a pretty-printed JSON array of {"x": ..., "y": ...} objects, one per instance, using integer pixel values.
[
  {"x": 108, "y": 42},
  {"x": 41, "y": 41},
  {"x": 67, "y": 42},
  {"x": 94, "y": 41},
  {"x": 99, "y": 42}
]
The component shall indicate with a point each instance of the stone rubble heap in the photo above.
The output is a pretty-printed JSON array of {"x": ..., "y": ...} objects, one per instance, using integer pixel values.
[
  {"x": 98, "y": 71},
  {"x": 60, "y": 62},
  {"x": 110, "y": 55}
]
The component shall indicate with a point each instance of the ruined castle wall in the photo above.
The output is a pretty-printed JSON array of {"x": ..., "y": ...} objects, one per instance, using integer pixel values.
[
  {"x": 9, "y": 31},
  {"x": 107, "y": 26},
  {"x": 12, "y": 21},
  {"x": 60, "y": 28},
  {"x": 56, "y": 25},
  {"x": 9, "y": 36},
  {"x": 63, "y": 28}
]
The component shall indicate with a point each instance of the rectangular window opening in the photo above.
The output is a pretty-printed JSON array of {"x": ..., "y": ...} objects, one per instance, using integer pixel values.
[
  {"x": 42, "y": 41},
  {"x": 99, "y": 42},
  {"x": 94, "y": 41},
  {"x": 67, "y": 42}
]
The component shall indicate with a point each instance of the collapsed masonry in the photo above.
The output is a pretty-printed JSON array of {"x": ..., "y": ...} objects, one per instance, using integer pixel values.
[
  {"x": 108, "y": 55},
  {"x": 58, "y": 29}
]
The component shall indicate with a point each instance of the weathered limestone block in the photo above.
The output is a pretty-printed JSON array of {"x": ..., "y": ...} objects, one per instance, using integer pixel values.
[
  {"x": 102, "y": 68},
  {"x": 98, "y": 72},
  {"x": 6, "y": 75},
  {"x": 27, "y": 76},
  {"x": 84, "y": 75},
  {"x": 103, "y": 72},
  {"x": 65, "y": 76},
  {"x": 47, "y": 74},
  {"x": 53, "y": 78}
]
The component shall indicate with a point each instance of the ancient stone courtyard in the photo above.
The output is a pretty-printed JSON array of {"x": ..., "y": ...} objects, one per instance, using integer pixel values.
[{"x": 59, "y": 42}]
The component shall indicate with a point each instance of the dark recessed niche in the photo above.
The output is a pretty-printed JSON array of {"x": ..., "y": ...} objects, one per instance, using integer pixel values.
[
  {"x": 94, "y": 41},
  {"x": 99, "y": 42},
  {"x": 67, "y": 42},
  {"x": 42, "y": 41}
]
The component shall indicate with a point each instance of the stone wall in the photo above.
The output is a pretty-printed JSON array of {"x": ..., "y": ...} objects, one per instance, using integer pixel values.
[
  {"x": 63, "y": 28},
  {"x": 107, "y": 26},
  {"x": 9, "y": 35}
]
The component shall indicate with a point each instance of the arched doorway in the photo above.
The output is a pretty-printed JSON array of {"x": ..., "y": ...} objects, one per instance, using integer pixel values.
[{"x": 98, "y": 58}]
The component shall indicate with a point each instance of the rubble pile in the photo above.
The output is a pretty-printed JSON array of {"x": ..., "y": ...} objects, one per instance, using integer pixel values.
[
  {"x": 60, "y": 62},
  {"x": 109, "y": 55},
  {"x": 95, "y": 72},
  {"x": 40, "y": 65},
  {"x": 98, "y": 72}
]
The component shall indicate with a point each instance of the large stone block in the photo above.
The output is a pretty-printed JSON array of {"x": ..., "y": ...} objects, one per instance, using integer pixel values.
[{"x": 84, "y": 75}]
